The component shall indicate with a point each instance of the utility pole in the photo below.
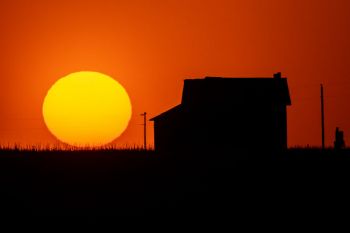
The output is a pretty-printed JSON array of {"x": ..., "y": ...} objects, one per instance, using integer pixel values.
[
  {"x": 322, "y": 118},
  {"x": 144, "y": 130}
]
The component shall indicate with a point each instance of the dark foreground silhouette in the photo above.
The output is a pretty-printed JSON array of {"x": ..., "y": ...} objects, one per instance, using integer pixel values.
[{"x": 212, "y": 184}]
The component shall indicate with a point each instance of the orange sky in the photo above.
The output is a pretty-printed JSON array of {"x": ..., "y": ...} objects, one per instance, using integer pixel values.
[{"x": 151, "y": 46}]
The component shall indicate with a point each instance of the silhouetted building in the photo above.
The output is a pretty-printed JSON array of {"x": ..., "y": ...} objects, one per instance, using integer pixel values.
[
  {"x": 226, "y": 114},
  {"x": 339, "y": 142}
]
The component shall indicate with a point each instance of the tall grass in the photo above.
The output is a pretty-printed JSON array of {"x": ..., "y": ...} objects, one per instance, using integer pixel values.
[{"x": 65, "y": 147}]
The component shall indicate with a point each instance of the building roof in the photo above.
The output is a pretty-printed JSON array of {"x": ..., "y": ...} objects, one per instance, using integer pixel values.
[
  {"x": 214, "y": 90},
  {"x": 218, "y": 91},
  {"x": 173, "y": 111}
]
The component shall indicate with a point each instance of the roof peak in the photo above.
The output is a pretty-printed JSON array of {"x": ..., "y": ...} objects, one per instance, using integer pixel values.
[
  {"x": 230, "y": 78},
  {"x": 277, "y": 75}
]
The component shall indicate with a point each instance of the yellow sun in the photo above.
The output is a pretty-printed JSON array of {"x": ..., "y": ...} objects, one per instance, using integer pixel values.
[{"x": 87, "y": 109}]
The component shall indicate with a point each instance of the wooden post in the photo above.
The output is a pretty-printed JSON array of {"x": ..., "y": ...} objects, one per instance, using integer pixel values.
[
  {"x": 144, "y": 130},
  {"x": 322, "y": 118}
]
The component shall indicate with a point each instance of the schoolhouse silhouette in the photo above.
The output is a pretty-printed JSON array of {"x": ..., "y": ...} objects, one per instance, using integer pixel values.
[{"x": 226, "y": 114}]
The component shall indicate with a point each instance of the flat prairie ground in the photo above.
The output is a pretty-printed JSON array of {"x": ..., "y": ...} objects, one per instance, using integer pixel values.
[{"x": 138, "y": 183}]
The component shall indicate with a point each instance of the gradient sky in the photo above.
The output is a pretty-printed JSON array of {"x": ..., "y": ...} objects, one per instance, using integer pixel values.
[{"x": 150, "y": 47}]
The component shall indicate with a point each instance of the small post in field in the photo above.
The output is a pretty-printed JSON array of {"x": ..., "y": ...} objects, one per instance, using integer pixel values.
[
  {"x": 144, "y": 130},
  {"x": 322, "y": 118}
]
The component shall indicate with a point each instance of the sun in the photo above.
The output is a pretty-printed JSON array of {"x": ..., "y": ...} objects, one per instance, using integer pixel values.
[{"x": 87, "y": 109}]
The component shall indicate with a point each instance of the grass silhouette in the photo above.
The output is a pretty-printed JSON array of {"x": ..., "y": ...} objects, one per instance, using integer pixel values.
[
  {"x": 133, "y": 181},
  {"x": 65, "y": 147}
]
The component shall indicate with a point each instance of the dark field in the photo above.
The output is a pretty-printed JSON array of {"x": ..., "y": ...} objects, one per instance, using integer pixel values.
[{"x": 212, "y": 184}]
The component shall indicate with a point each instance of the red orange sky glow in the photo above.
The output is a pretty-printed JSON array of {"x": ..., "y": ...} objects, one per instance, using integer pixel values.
[{"x": 150, "y": 47}]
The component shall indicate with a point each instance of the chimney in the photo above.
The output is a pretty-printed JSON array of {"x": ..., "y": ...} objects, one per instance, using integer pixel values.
[{"x": 277, "y": 75}]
